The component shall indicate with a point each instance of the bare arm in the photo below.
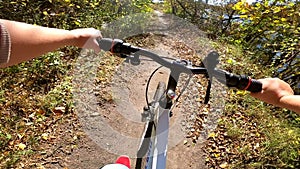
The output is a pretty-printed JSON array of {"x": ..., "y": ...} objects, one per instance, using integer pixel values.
[
  {"x": 278, "y": 93},
  {"x": 291, "y": 102},
  {"x": 29, "y": 41}
]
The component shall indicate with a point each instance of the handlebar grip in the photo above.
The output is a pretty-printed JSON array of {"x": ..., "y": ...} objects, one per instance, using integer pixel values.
[
  {"x": 116, "y": 46},
  {"x": 108, "y": 44},
  {"x": 241, "y": 82},
  {"x": 255, "y": 86}
]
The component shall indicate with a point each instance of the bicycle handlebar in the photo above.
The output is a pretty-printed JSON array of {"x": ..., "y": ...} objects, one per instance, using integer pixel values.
[{"x": 241, "y": 82}]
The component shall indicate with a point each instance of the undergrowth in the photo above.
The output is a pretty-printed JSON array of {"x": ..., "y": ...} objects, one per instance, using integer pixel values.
[{"x": 24, "y": 114}]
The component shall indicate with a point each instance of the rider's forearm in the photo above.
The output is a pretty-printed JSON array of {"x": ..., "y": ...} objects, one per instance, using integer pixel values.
[
  {"x": 29, "y": 41},
  {"x": 291, "y": 102}
]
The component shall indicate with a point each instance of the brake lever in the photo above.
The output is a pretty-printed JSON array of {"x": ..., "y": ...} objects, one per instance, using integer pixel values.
[{"x": 210, "y": 62}]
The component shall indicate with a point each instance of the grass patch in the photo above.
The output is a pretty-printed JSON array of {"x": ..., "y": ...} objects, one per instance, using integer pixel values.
[
  {"x": 59, "y": 96},
  {"x": 281, "y": 148}
]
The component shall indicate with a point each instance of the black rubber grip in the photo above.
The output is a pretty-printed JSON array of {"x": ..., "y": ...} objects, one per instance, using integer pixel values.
[
  {"x": 241, "y": 82},
  {"x": 108, "y": 44},
  {"x": 244, "y": 82},
  {"x": 116, "y": 46},
  {"x": 255, "y": 86},
  {"x": 105, "y": 44}
]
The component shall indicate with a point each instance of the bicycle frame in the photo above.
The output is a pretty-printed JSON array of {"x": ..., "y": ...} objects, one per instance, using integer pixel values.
[
  {"x": 158, "y": 143},
  {"x": 157, "y": 152}
]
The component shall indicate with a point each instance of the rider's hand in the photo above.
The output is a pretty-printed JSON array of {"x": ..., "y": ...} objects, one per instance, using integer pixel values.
[
  {"x": 86, "y": 38},
  {"x": 273, "y": 91},
  {"x": 278, "y": 93}
]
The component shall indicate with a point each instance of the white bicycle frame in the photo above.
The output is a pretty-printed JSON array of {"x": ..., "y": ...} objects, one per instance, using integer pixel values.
[
  {"x": 157, "y": 151},
  {"x": 156, "y": 156}
]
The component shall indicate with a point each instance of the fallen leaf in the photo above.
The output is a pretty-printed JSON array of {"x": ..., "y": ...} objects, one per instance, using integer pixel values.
[
  {"x": 224, "y": 165},
  {"x": 21, "y": 146},
  {"x": 211, "y": 135},
  {"x": 45, "y": 136},
  {"x": 217, "y": 155},
  {"x": 59, "y": 110}
]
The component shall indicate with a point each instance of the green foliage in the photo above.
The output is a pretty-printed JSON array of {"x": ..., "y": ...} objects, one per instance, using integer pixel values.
[
  {"x": 22, "y": 117},
  {"x": 271, "y": 30},
  {"x": 59, "y": 96},
  {"x": 58, "y": 13},
  {"x": 205, "y": 16},
  {"x": 283, "y": 140},
  {"x": 70, "y": 14},
  {"x": 128, "y": 26}
]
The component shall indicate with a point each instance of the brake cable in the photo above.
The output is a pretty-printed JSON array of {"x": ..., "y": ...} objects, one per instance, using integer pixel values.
[
  {"x": 148, "y": 83},
  {"x": 180, "y": 93},
  {"x": 183, "y": 89}
]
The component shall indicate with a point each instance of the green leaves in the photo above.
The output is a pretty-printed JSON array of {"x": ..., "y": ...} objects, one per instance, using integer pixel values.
[
  {"x": 270, "y": 28},
  {"x": 67, "y": 14}
]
